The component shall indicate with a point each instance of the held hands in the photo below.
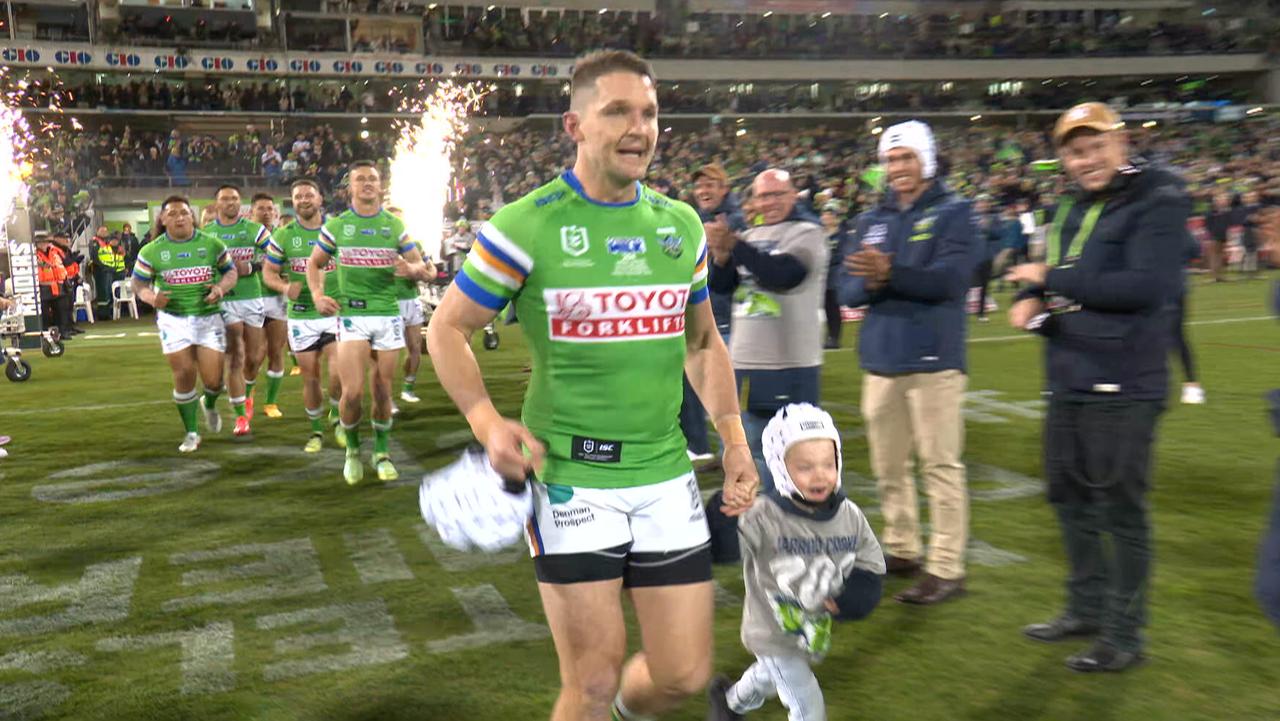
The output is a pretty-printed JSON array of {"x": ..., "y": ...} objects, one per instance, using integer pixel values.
[
  {"x": 294, "y": 290},
  {"x": 403, "y": 269},
  {"x": 327, "y": 306},
  {"x": 741, "y": 480},
  {"x": 160, "y": 299},
  {"x": 215, "y": 295}
]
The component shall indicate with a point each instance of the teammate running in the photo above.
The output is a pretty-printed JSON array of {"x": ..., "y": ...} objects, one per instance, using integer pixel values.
[
  {"x": 311, "y": 335},
  {"x": 243, "y": 309},
  {"x": 178, "y": 274},
  {"x": 372, "y": 250},
  {"x": 610, "y": 282},
  {"x": 265, "y": 213},
  {"x": 411, "y": 314}
]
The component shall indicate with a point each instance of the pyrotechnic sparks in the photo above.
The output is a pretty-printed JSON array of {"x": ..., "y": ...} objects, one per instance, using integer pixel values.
[
  {"x": 15, "y": 150},
  {"x": 422, "y": 168}
]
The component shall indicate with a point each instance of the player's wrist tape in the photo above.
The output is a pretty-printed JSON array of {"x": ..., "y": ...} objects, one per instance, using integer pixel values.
[{"x": 731, "y": 431}]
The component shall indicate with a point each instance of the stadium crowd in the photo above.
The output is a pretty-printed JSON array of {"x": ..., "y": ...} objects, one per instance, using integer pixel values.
[
  {"x": 853, "y": 36},
  {"x": 976, "y": 158}
]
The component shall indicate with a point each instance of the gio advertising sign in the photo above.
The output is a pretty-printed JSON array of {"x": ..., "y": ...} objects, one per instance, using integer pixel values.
[{"x": 77, "y": 56}]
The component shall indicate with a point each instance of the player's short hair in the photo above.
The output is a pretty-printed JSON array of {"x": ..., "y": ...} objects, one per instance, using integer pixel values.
[
  {"x": 262, "y": 196},
  {"x": 177, "y": 199},
  {"x": 361, "y": 164},
  {"x": 590, "y": 67},
  {"x": 225, "y": 186},
  {"x": 305, "y": 181}
]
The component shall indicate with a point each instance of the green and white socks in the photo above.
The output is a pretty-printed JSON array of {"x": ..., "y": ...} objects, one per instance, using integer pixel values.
[
  {"x": 381, "y": 437},
  {"x": 274, "y": 380},
  {"x": 188, "y": 407}
]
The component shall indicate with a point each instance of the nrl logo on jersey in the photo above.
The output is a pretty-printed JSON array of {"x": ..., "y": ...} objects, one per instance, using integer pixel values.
[
  {"x": 348, "y": 230},
  {"x": 672, "y": 244},
  {"x": 164, "y": 255},
  {"x": 573, "y": 240}
]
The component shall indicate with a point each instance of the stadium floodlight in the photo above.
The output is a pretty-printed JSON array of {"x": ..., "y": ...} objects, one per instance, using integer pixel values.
[
  {"x": 603, "y": 11},
  {"x": 767, "y": 14},
  {"x": 1150, "y": 124},
  {"x": 975, "y": 118},
  {"x": 884, "y": 15},
  {"x": 877, "y": 130},
  {"x": 1253, "y": 111},
  {"x": 741, "y": 132},
  {"x": 364, "y": 134},
  {"x": 826, "y": 15}
]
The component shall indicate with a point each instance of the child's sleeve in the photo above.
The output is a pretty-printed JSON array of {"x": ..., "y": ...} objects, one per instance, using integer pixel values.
[{"x": 863, "y": 586}]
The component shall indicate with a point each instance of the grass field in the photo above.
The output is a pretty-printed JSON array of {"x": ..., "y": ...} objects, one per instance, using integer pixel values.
[{"x": 249, "y": 582}]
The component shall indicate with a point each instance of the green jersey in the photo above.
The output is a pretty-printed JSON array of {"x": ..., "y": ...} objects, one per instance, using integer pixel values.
[
  {"x": 601, "y": 291},
  {"x": 185, "y": 270},
  {"x": 407, "y": 288},
  {"x": 290, "y": 249},
  {"x": 245, "y": 240},
  {"x": 366, "y": 249}
]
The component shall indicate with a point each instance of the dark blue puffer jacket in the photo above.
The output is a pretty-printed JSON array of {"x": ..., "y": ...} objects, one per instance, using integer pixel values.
[{"x": 916, "y": 323}]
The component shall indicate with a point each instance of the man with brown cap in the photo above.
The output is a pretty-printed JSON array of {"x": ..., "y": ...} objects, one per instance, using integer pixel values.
[{"x": 1114, "y": 255}]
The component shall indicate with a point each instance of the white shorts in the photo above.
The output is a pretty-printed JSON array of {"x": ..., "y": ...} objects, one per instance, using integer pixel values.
[
  {"x": 306, "y": 335},
  {"x": 381, "y": 331},
  {"x": 178, "y": 332},
  {"x": 275, "y": 307},
  {"x": 658, "y": 518},
  {"x": 250, "y": 312},
  {"x": 411, "y": 312}
]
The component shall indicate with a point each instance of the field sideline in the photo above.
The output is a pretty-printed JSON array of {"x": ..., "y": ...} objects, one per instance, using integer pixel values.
[{"x": 249, "y": 582}]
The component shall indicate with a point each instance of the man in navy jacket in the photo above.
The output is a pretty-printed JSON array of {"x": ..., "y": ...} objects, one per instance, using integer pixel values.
[
  {"x": 910, "y": 261},
  {"x": 1114, "y": 255}
]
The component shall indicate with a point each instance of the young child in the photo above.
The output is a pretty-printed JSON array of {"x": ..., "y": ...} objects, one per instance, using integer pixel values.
[{"x": 808, "y": 555}]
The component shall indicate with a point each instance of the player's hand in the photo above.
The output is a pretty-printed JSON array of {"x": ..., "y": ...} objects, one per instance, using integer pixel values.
[
  {"x": 1021, "y": 312},
  {"x": 244, "y": 268},
  {"x": 327, "y": 305},
  {"x": 831, "y": 607},
  {"x": 5, "y": 304},
  {"x": 506, "y": 442},
  {"x": 403, "y": 269},
  {"x": 1033, "y": 273},
  {"x": 294, "y": 290},
  {"x": 431, "y": 270},
  {"x": 741, "y": 481},
  {"x": 160, "y": 299},
  {"x": 216, "y": 293}
]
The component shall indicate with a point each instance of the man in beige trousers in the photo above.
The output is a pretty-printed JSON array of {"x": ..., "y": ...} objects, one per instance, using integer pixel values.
[{"x": 910, "y": 263}]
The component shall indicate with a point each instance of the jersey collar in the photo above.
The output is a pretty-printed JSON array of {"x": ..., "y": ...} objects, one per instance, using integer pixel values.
[{"x": 576, "y": 184}]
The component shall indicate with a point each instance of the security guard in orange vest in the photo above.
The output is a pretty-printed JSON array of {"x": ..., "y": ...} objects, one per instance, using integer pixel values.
[{"x": 55, "y": 306}]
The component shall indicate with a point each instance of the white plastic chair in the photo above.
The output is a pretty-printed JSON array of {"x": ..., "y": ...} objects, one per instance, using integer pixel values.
[
  {"x": 122, "y": 293},
  {"x": 83, "y": 302}
]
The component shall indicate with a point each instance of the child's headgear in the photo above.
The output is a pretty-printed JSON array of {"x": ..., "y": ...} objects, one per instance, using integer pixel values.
[{"x": 792, "y": 424}]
